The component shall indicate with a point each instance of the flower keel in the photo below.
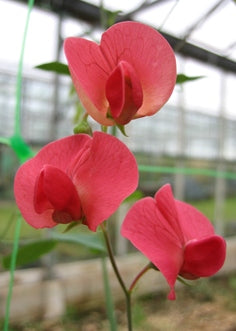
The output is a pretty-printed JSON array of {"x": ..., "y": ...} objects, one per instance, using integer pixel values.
[
  {"x": 124, "y": 93},
  {"x": 54, "y": 190}
]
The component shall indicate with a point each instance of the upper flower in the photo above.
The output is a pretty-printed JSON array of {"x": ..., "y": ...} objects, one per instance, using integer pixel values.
[
  {"x": 175, "y": 237},
  {"x": 75, "y": 178},
  {"x": 131, "y": 73}
]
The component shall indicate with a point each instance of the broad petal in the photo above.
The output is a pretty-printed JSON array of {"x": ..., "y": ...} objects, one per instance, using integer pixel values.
[
  {"x": 149, "y": 54},
  {"x": 107, "y": 176},
  {"x": 57, "y": 154},
  {"x": 166, "y": 205},
  {"x": 203, "y": 258},
  {"x": 89, "y": 70},
  {"x": 97, "y": 115},
  {"x": 194, "y": 224},
  {"x": 149, "y": 231}
]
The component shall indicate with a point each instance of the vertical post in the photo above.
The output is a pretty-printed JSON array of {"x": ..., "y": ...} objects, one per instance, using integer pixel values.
[
  {"x": 179, "y": 177},
  {"x": 220, "y": 184},
  {"x": 121, "y": 244}
]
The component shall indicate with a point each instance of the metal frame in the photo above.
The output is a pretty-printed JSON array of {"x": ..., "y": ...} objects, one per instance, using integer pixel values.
[{"x": 91, "y": 14}]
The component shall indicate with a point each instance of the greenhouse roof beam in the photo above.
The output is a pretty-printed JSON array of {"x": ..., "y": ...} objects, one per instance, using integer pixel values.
[{"x": 91, "y": 14}]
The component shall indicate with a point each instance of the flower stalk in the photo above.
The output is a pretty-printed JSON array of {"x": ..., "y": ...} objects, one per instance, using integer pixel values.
[
  {"x": 127, "y": 293},
  {"x": 139, "y": 275}
]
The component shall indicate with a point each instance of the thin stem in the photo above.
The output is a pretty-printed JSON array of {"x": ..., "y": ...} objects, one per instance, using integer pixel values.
[
  {"x": 17, "y": 132},
  {"x": 104, "y": 128},
  {"x": 108, "y": 296},
  {"x": 119, "y": 278},
  {"x": 17, "y": 129},
  {"x": 12, "y": 272},
  {"x": 114, "y": 130},
  {"x": 113, "y": 262},
  {"x": 85, "y": 116},
  {"x": 140, "y": 274}
]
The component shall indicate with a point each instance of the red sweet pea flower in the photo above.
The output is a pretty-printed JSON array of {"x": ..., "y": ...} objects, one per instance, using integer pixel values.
[
  {"x": 175, "y": 237},
  {"x": 75, "y": 178},
  {"x": 131, "y": 74}
]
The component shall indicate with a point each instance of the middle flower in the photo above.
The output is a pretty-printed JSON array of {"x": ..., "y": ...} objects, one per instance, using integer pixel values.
[{"x": 76, "y": 178}]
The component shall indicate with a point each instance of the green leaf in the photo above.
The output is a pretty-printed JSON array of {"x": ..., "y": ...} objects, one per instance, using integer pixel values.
[
  {"x": 57, "y": 67},
  {"x": 22, "y": 150},
  {"x": 181, "y": 78},
  {"x": 30, "y": 252},
  {"x": 92, "y": 240}
]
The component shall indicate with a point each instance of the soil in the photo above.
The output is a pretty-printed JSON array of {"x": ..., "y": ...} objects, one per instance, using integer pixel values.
[{"x": 209, "y": 305}]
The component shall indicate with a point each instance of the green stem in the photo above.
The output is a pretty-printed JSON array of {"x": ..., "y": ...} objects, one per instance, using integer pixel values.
[
  {"x": 140, "y": 274},
  {"x": 187, "y": 171},
  {"x": 17, "y": 130},
  {"x": 104, "y": 128},
  {"x": 12, "y": 272},
  {"x": 114, "y": 130},
  {"x": 108, "y": 297},
  {"x": 119, "y": 278},
  {"x": 85, "y": 116}
]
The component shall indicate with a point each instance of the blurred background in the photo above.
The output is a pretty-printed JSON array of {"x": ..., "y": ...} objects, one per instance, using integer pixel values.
[{"x": 190, "y": 142}]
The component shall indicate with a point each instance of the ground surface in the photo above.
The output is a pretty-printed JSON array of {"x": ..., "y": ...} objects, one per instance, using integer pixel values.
[{"x": 208, "y": 306}]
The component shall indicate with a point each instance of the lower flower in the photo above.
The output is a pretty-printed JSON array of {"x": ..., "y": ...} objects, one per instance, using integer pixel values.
[{"x": 175, "y": 237}]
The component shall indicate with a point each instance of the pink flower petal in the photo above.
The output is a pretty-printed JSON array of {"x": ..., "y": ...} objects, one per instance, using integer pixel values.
[
  {"x": 89, "y": 70},
  {"x": 107, "y": 176},
  {"x": 166, "y": 205},
  {"x": 146, "y": 51},
  {"x": 203, "y": 258},
  {"x": 99, "y": 116},
  {"x": 147, "y": 229},
  {"x": 57, "y": 154},
  {"x": 194, "y": 224}
]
